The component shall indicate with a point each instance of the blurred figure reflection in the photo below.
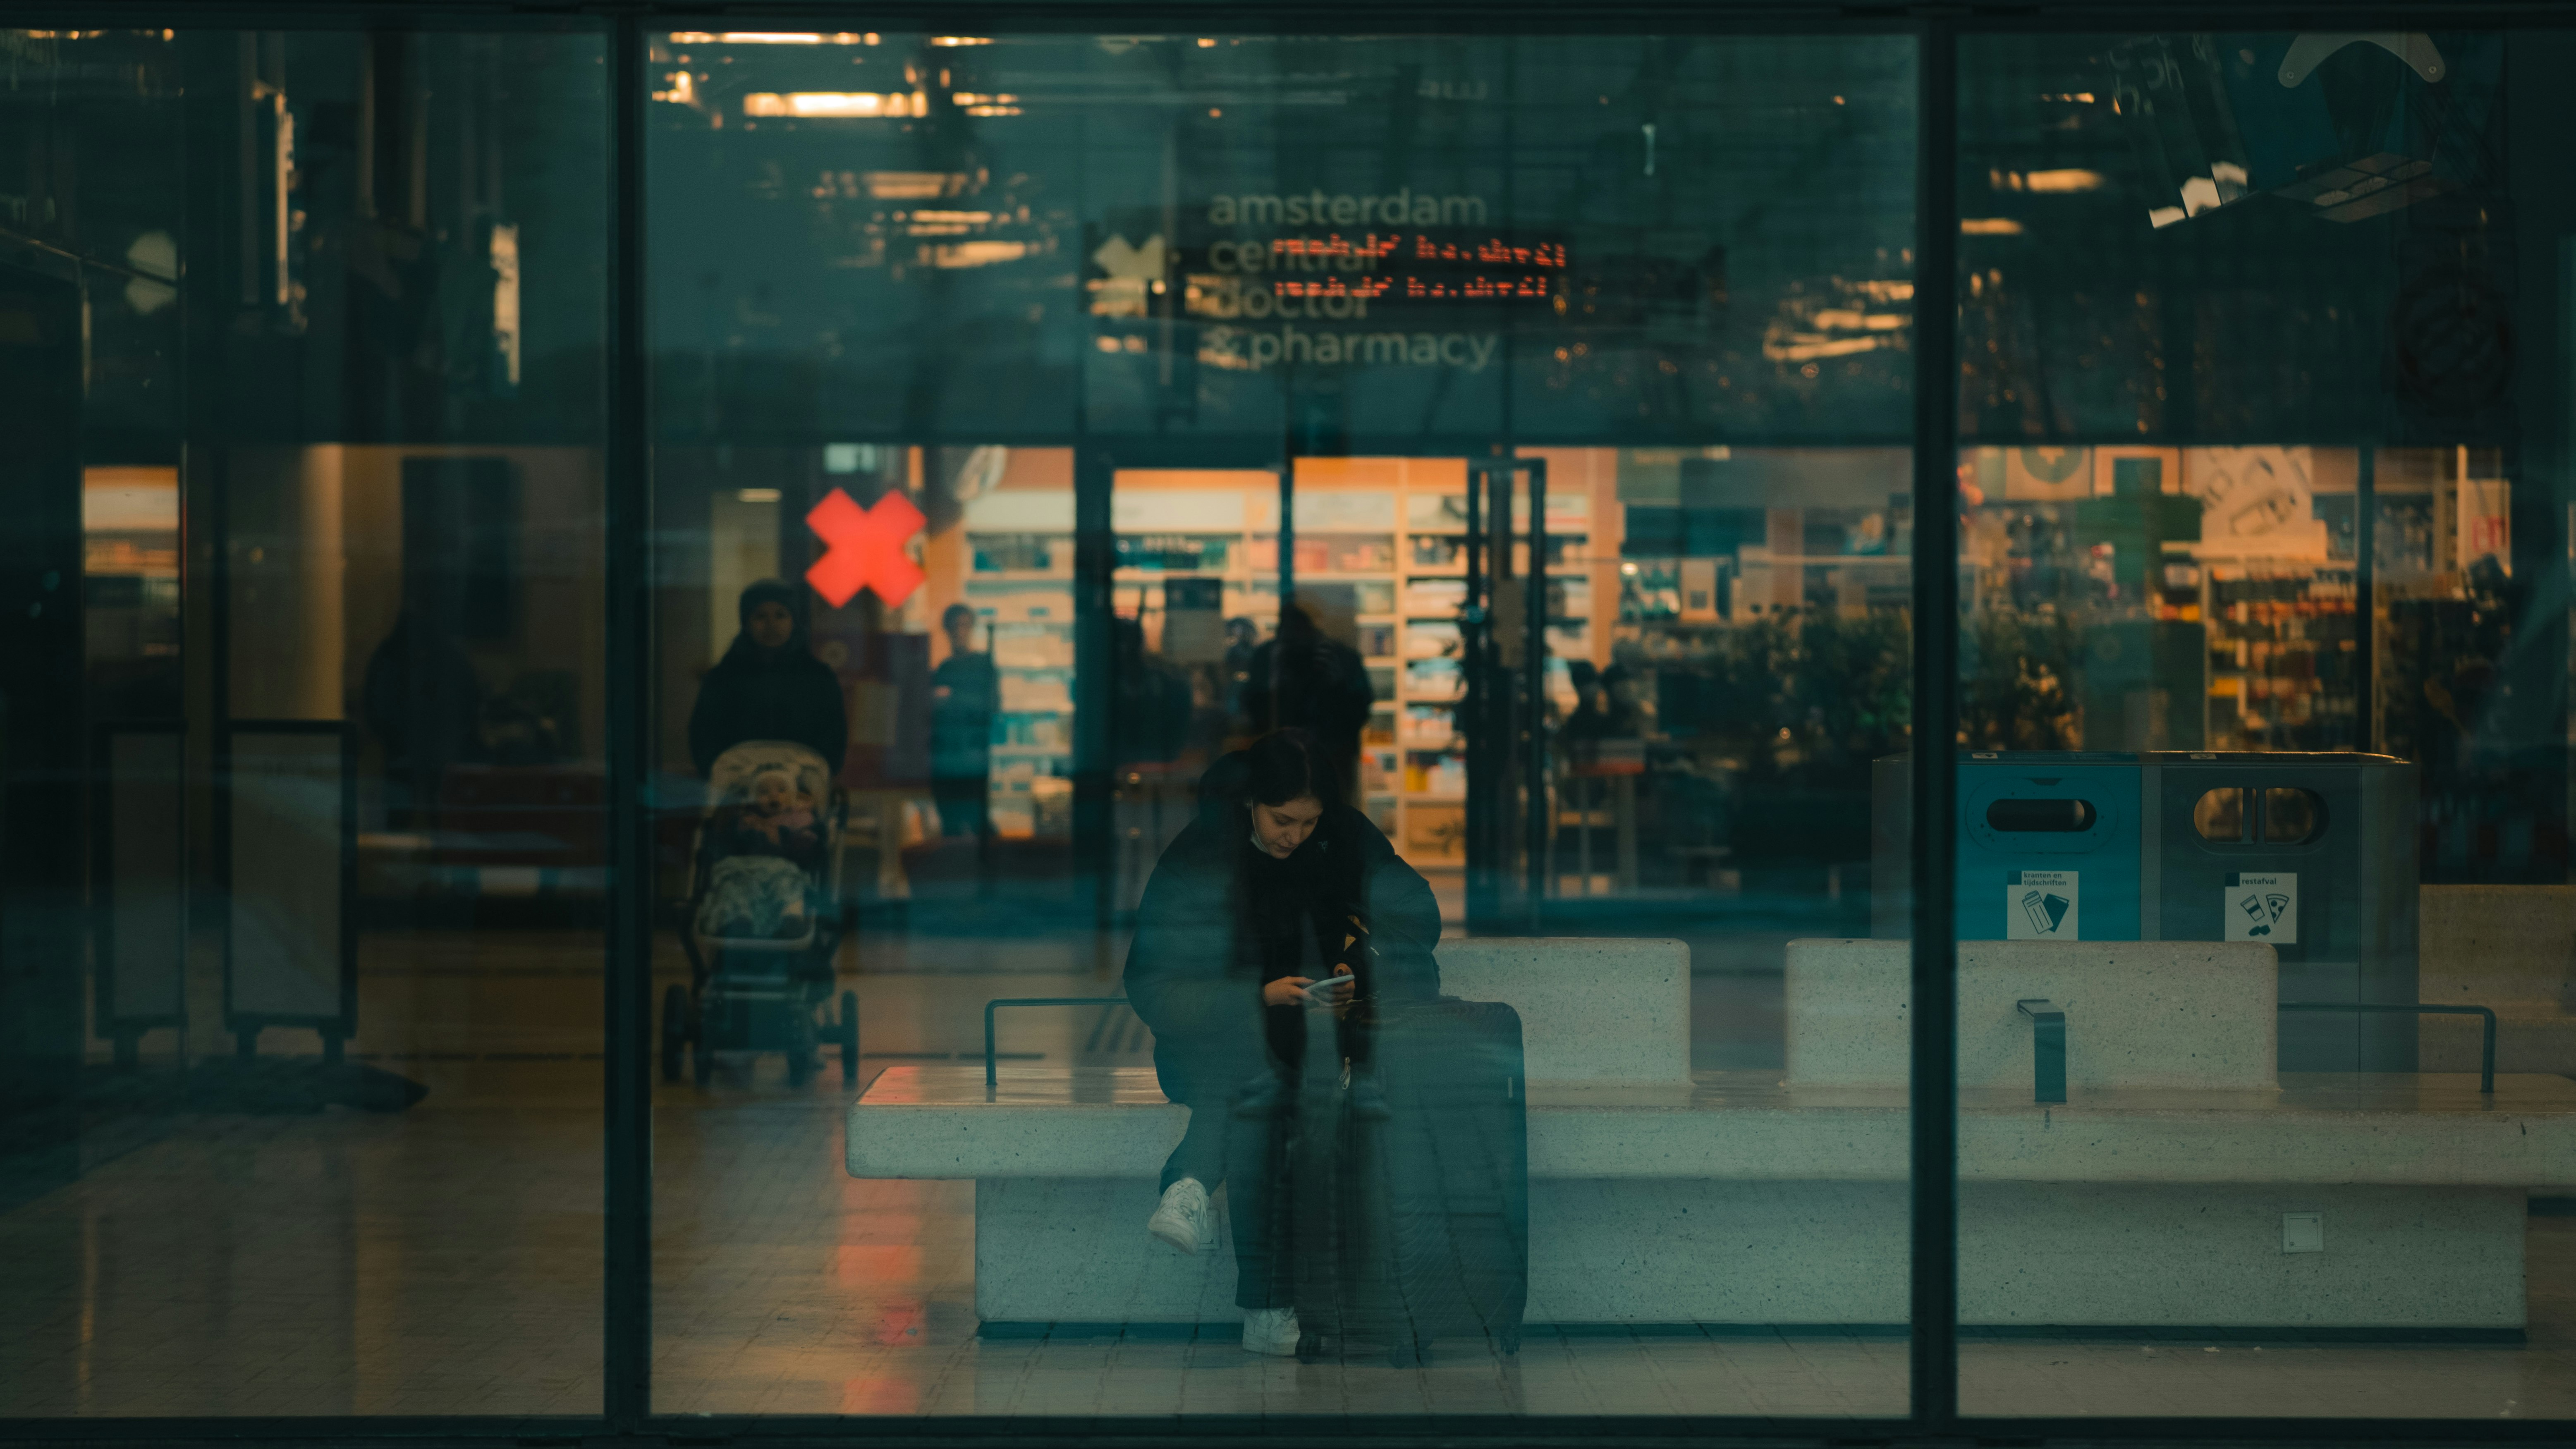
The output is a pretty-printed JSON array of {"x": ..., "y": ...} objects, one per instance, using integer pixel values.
[
  {"x": 1153, "y": 699},
  {"x": 1308, "y": 680},
  {"x": 1241, "y": 639},
  {"x": 424, "y": 701},
  {"x": 1599, "y": 712}
]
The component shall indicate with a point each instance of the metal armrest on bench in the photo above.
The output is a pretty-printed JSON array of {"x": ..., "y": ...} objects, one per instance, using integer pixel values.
[
  {"x": 2047, "y": 1048},
  {"x": 991, "y": 1078},
  {"x": 2486, "y": 1045}
]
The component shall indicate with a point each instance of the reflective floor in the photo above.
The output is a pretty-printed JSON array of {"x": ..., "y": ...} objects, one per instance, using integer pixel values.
[{"x": 445, "y": 1259}]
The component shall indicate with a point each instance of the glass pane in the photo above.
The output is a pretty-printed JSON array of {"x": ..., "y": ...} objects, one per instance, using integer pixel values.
[
  {"x": 303, "y": 975},
  {"x": 1523, "y": 419},
  {"x": 2264, "y": 366}
]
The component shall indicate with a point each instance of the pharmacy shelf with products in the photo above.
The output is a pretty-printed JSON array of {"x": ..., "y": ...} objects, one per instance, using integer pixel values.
[
  {"x": 1414, "y": 767},
  {"x": 2282, "y": 654},
  {"x": 1380, "y": 553},
  {"x": 1020, "y": 584},
  {"x": 2277, "y": 590},
  {"x": 1223, "y": 526}
]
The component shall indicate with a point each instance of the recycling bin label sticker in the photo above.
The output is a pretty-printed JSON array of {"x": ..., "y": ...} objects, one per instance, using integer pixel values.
[
  {"x": 2263, "y": 907},
  {"x": 2042, "y": 905}
]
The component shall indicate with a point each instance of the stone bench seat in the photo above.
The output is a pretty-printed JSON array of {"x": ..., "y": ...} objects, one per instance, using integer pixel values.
[
  {"x": 2154, "y": 1197},
  {"x": 2433, "y": 1129}
]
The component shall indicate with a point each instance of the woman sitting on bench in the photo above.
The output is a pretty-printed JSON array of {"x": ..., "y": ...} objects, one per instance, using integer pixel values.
[{"x": 1273, "y": 906}]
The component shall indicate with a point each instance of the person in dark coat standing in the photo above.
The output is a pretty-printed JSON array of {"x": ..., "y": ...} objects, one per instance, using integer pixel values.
[
  {"x": 1305, "y": 679},
  {"x": 1256, "y": 912},
  {"x": 424, "y": 700},
  {"x": 769, "y": 686},
  {"x": 965, "y": 693}
]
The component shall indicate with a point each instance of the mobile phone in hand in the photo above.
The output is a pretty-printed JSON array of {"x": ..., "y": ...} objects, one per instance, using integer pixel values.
[{"x": 1325, "y": 988}]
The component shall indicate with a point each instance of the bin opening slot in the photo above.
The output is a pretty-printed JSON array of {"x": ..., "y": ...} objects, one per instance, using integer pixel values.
[
  {"x": 2292, "y": 816},
  {"x": 2220, "y": 815},
  {"x": 2277, "y": 815},
  {"x": 2061, "y": 816}
]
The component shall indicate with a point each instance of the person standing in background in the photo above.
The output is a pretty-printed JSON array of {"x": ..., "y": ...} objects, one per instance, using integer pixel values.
[
  {"x": 424, "y": 701},
  {"x": 769, "y": 686},
  {"x": 1241, "y": 639},
  {"x": 1305, "y": 679},
  {"x": 965, "y": 693}
]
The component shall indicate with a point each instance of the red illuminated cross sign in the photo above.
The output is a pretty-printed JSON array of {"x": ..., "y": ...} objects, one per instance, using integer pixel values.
[{"x": 865, "y": 548}]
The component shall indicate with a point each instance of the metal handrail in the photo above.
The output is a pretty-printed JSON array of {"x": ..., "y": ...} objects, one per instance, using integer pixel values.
[
  {"x": 2047, "y": 1048},
  {"x": 990, "y": 1077},
  {"x": 2486, "y": 1047}
]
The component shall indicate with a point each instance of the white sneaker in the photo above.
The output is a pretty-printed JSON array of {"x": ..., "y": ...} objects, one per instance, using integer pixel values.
[
  {"x": 1182, "y": 1219},
  {"x": 1270, "y": 1330}
]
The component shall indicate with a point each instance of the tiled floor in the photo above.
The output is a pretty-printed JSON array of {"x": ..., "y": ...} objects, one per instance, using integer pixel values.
[
  {"x": 446, "y": 1260},
  {"x": 440, "y": 1260},
  {"x": 865, "y": 1294}
]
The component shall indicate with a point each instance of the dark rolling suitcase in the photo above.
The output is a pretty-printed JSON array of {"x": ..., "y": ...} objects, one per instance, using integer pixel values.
[{"x": 1418, "y": 1174}]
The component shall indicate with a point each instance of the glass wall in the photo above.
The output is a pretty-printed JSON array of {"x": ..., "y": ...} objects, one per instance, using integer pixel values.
[
  {"x": 2263, "y": 360},
  {"x": 1080, "y": 409},
  {"x": 1275, "y": 736},
  {"x": 303, "y": 741}
]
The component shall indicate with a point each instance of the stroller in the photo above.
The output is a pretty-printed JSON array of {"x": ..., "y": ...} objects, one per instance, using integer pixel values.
[{"x": 762, "y": 993}]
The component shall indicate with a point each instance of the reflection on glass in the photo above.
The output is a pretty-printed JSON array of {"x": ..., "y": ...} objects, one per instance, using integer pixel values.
[{"x": 2247, "y": 522}]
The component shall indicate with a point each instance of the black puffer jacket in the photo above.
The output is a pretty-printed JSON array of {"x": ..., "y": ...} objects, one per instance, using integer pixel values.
[
  {"x": 1220, "y": 919},
  {"x": 769, "y": 694}
]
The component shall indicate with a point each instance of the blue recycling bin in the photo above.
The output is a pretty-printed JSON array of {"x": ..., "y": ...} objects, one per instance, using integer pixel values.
[{"x": 2050, "y": 847}]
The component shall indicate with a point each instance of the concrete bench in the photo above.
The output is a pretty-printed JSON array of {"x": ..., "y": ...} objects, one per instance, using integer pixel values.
[{"x": 2153, "y": 1197}]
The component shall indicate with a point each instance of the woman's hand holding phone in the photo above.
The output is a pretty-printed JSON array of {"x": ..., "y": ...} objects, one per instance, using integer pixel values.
[
  {"x": 1333, "y": 989},
  {"x": 1310, "y": 990}
]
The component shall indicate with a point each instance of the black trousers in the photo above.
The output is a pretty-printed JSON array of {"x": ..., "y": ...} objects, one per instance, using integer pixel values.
[
  {"x": 963, "y": 805},
  {"x": 1201, "y": 1153},
  {"x": 1246, "y": 1137}
]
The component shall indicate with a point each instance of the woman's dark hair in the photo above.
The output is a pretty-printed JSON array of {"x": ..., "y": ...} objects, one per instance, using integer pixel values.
[
  {"x": 1285, "y": 765},
  {"x": 948, "y": 618}
]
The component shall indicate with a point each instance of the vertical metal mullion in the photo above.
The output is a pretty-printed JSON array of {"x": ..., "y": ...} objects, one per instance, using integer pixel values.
[
  {"x": 1534, "y": 691},
  {"x": 1095, "y": 684},
  {"x": 1934, "y": 1095},
  {"x": 627, "y": 1331},
  {"x": 1287, "y": 552},
  {"x": 246, "y": 138},
  {"x": 2365, "y": 588},
  {"x": 1475, "y": 706}
]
